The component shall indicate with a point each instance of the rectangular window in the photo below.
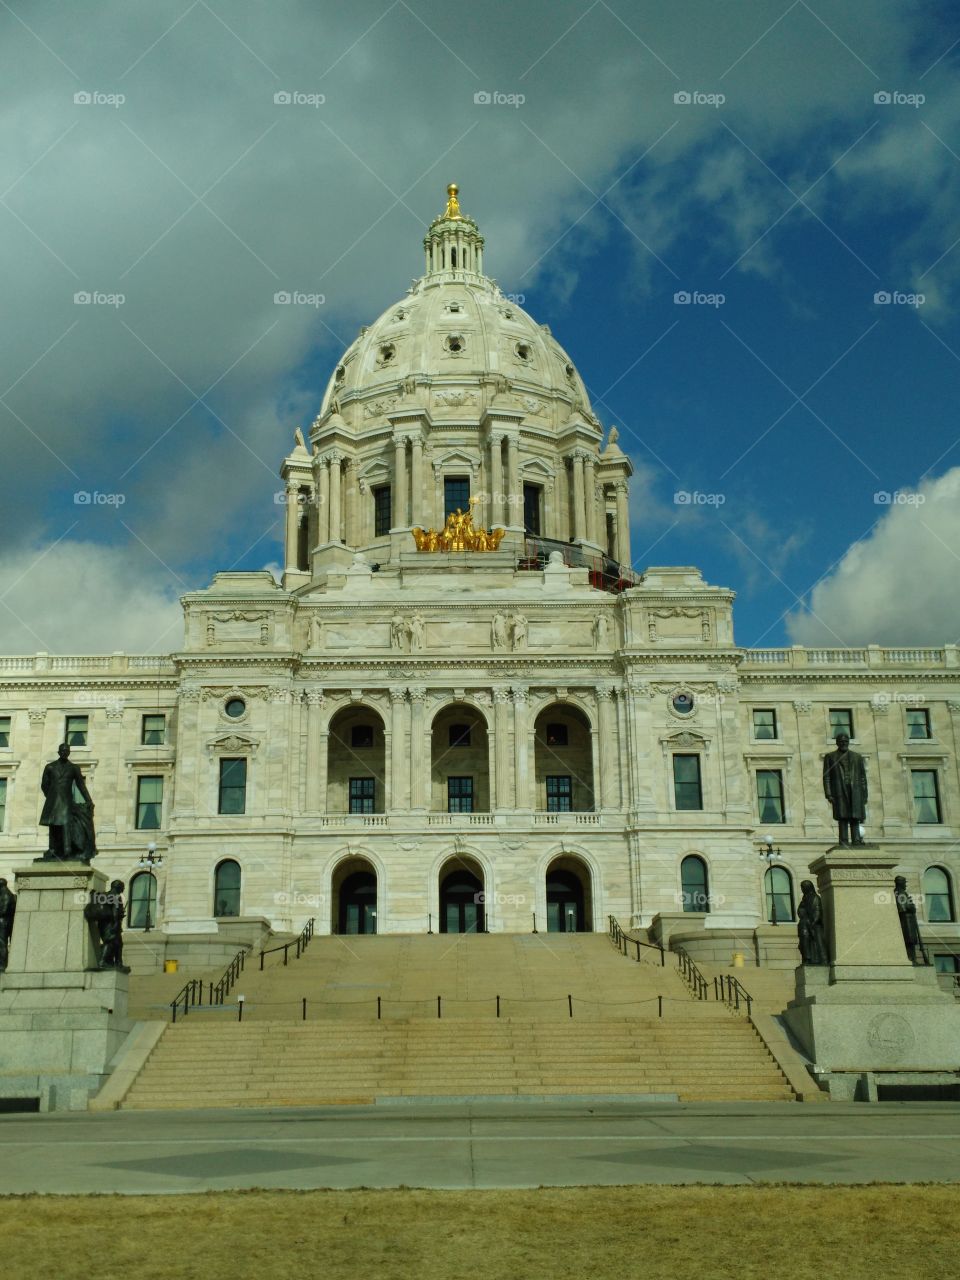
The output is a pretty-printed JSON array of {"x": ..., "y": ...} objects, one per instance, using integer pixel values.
[
  {"x": 926, "y": 796},
  {"x": 841, "y": 721},
  {"x": 456, "y": 494},
  {"x": 459, "y": 795},
  {"x": 770, "y": 795},
  {"x": 531, "y": 509},
  {"x": 363, "y": 794},
  {"x": 75, "y": 731},
  {"x": 459, "y": 735},
  {"x": 4, "y": 731},
  {"x": 233, "y": 786},
  {"x": 361, "y": 736},
  {"x": 382, "y": 511},
  {"x": 687, "y": 791},
  {"x": 556, "y": 735},
  {"x": 149, "y": 803},
  {"x": 559, "y": 794},
  {"x": 154, "y": 732},
  {"x": 3, "y": 804},
  {"x": 918, "y": 722},
  {"x": 764, "y": 723},
  {"x": 947, "y": 964}
]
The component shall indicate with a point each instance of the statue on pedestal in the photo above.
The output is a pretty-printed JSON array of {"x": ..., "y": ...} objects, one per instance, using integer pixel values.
[
  {"x": 8, "y": 908},
  {"x": 810, "y": 934},
  {"x": 70, "y": 822},
  {"x": 907, "y": 911},
  {"x": 104, "y": 914},
  {"x": 845, "y": 786}
]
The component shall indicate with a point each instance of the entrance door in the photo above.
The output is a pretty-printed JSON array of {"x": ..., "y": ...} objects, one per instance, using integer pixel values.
[
  {"x": 461, "y": 903},
  {"x": 564, "y": 903},
  {"x": 358, "y": 903}
]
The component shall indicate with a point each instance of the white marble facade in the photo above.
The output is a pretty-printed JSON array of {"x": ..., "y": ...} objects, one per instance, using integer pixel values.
[{"x": 370, "y": 658}]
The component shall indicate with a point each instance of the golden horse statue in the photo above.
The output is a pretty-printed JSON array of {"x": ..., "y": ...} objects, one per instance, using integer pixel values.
[{"x": 458, "y": 534}]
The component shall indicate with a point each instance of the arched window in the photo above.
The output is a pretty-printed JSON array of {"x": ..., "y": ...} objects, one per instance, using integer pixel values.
[
  {"x": 226, "y": 889},
  {"x": 693, "y": 884},
  {"x": 937, "y": 895},
  {"x": 778, "y": 890},
  {"x": 142, "y": 903}
]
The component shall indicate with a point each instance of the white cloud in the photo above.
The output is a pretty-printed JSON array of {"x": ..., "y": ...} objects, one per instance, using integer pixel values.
[{"x": 898, "y": 586}]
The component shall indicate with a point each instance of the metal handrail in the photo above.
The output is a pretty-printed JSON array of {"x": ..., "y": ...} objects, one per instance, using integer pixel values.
[
  {"x": 621, "y": 941},
  {"x": 306, "y": 933},
  {"x": 192, "y": 993},
  {"x": 692, "y": 975},
  {"x": 731, "y": 991}
]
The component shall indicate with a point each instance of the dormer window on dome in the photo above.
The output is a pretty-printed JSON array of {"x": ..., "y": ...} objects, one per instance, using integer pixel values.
[
  {"x": 387, "y": 353},
  {"x": 455, "y": 344}
]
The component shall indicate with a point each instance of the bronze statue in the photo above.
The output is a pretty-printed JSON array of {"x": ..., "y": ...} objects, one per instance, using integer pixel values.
[
  {"x": 8, "y": 908},
  {"x": 71, "y": 836},
  {"x": 845, "y": 786},
  {"x": 104, "y": 914},
  {"x": 458, "y": 534},
  {"x": 810, "y": 933},
  {"x": 909, "y": 927}
]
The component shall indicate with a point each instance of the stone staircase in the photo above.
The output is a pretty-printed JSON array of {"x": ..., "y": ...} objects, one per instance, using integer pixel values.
[{"x": 615, "y": 1042}]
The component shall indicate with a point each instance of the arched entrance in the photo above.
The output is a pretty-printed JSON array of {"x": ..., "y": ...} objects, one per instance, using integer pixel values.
[
  {"x": 462, "y": 898},
  {"x": 356, "y": 764},
  {"x": 569, "y": 900},
  {"x": 563, "y": 760},
  {"x": 460, "y": 766},
  {"x": 354, "y": 898}
]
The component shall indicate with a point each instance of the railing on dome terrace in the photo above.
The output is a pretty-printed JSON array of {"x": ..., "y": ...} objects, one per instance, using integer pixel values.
[{"x": 605, "y": 573}]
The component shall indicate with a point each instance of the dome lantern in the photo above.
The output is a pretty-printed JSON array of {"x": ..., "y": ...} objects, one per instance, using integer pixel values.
[{"x": 453, "y": 244}]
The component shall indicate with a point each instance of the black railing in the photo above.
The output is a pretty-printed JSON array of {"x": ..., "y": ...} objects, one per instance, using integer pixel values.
[
  {"x": 731, "y": 991},
  {"x": 622, "y": 942},
  {"x": 191, "y": 994},
  {"x": 306, "y": 933},
  {"x": 692, "y": 975}
]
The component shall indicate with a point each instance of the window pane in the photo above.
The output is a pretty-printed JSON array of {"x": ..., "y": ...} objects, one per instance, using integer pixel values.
[
  {"x": 693, "y": 883},
  {"x": 778, "y": 888},
  {"x": 770, "y": 795},
  {"x": 456, "y": 494},
  {"x": 143, "y": 897},
  {"x": 947, "y": 964},
  {"x": 233, "y": 786},
  {"x": 560, "y": 794},
  {"x": 459, "y": 735},
  {"x": 460, "y": 795},
  {"x": 764, "y": 724},
  {"x": 686, "y": 782},
  {"x": 841, "y": 721},
  {"x": 531, "y": 509},
  {"x": 926, "y": 798},
  {"x": 361, "y": 735},
  {"x": 3, "y": 803},
  {"x": 918, "y": 722},
  {"x": 362, "y": 795},
  {"x": 226, "y": 889},
  {"x": 149, "y": 803},
  {"x": 936, "y": 895},
  {"x": 4, "y": 731},
  {"x": 382, "y": 511},
  {"x": 557, "y": 735},
  {"x": 76, "y": 731},
  {"x": 154, "y": 730}
]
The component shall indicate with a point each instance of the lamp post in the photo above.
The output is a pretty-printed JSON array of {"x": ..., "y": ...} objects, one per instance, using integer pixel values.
[
  {"x": 150, "y": 861},
  {"x": 770, "y": 854}
]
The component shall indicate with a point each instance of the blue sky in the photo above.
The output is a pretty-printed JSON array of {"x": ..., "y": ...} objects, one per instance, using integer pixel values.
[{"x": 787, "y": 406}]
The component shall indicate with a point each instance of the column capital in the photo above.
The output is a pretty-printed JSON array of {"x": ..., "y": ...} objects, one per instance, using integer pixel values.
[
  {"x": 418, "y": 693},
  {"x": 519, "y": 695},
  {"x": 314, "y": 697},
  {"x": 398, "y": 693},
  {"x": 501, "y": 696}
]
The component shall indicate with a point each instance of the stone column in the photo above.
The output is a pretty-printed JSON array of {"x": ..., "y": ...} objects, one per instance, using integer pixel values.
[
  {"x": 514, "y": 515},
  {"x": 335, "y": 486},
  {"x": 398, "y": 747},
  {"x": 501, "y": 740},
  {"x": 590, "y": 497},
  {"x": 323, "y": 503},
  {"x": 419, "y": 759},
  {"x": 316, "y": 753},
  {"x": 609, "y": 762},
  {"x": 293, "y": 525},
  {"x": 351, "y": 496},
  {"x": 579, "y": 512},
  {"x": 399, "y": 482},
  {"x": 521, "y": 767},
  {"x": 623, "y": 524},
  {"x": 416, "y": 480},
  {"x": 496, "y": 480}
]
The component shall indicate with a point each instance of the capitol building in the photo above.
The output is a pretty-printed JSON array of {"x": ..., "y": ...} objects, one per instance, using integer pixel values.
[{"x": 462, "y": 708}]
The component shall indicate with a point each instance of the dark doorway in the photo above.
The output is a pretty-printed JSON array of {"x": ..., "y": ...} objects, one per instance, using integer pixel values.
[
  {"x": 564, "y": 902},
  {"x": 358, "y": 903},
  {"x": 461, "y": 903}
]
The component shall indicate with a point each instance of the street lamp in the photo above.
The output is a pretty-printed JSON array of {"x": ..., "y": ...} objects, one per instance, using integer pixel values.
[
  {"x": 770, "y": 854},
  {"x": 148, "y": 862}
]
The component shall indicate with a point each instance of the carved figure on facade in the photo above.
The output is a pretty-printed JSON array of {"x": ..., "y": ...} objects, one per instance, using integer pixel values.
[
  {"x": 601, "y": 631},
  {"x": 498, "y": 630},
  {"x": 518, "y": 631},
  {"x": 70, "y": 823},
  {"x": 316, "y": 632},
  {"x": 398, "y": 631},
  {"x": 417, "y": 631},
  {"x": 845, "y": 786}
]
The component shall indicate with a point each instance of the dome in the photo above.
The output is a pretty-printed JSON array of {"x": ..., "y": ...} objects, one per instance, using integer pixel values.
[{"x": 454, "y": 345}]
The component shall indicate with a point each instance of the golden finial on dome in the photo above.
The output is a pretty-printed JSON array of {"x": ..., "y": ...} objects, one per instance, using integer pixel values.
[{"x": 453, "y": 204}]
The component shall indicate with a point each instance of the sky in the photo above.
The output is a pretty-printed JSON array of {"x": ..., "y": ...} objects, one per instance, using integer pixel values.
[{"x": 739, "y": 218}]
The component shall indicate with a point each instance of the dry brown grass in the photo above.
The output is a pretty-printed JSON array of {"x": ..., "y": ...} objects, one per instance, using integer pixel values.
[{"x": 710, "y": 1233}]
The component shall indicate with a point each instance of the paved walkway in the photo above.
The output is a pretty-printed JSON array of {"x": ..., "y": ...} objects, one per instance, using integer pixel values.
[{"x": 527, "y": 1143}]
